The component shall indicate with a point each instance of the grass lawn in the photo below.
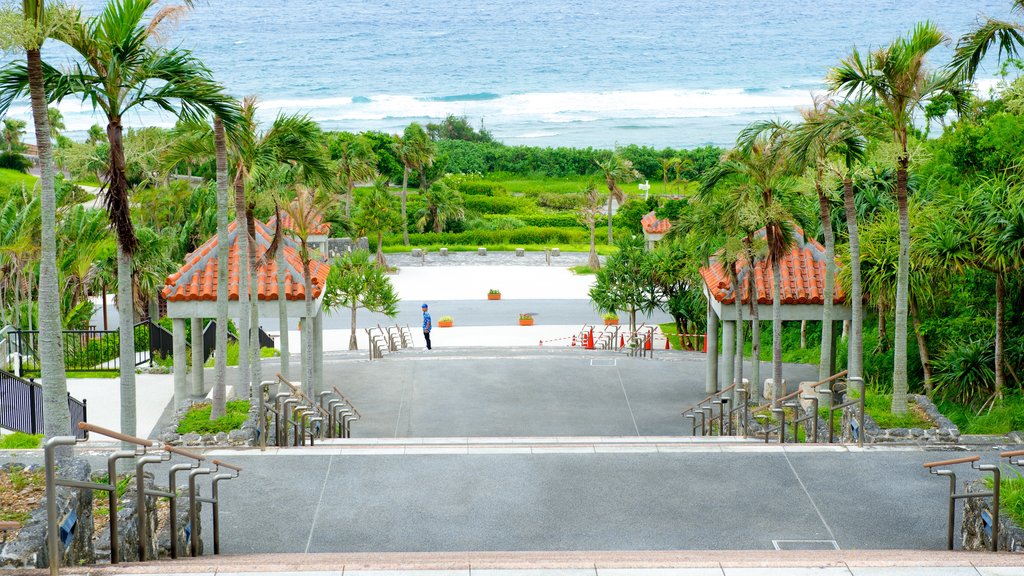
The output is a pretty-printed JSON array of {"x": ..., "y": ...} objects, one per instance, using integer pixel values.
[
  {"x": 1011, "y": 496},
  {"x": 10, "y": 178},
  {"x": 198, "y": 418},
  {"x": 1001, "y": 419}
]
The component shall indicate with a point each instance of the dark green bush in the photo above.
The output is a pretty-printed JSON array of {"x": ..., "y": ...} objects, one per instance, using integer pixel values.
[
  {"x": 198, "y": 418},
  {"x": 560, "y": 201},
  {"x": 480, "y": 188},
  {"x": 499, "y": 204},
  {"x": 541, "y": 220}
]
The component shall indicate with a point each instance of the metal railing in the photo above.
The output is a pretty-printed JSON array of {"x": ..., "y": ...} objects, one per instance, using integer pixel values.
[
  {"x": 296, "y": 416},
  {"x": 84, "y": 350},
  {"x": 954, "y": 496},
  {"x": 22, "y": 407},
  {"x": 774, "y": 416},
  {"x": 110, "y": 487}
]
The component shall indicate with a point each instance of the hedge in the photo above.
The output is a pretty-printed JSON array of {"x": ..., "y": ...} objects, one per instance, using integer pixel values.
[
  {"x": 541, "y": 220},
  {"x": 527, "y": 235},
  {"x": 499, "y": 204}
]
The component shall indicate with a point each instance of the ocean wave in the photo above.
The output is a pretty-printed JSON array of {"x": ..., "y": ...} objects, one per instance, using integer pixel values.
[{"x": 480, "y": 96}]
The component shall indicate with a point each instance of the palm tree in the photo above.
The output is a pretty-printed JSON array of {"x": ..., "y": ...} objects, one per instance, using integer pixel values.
[
  {"x": 444, "y": 205},
  {"x": 616, "y": 170},
  {"x": 666, "y": 165},
  {"x": 306, "y": 213},
  {"x": 120, "y": 70},
  {"x": 824, "y": 135},
  {"x": 375, "y": 212},
  {"x": 761, "y": 169},
  {"x": 414, "y": 150},
  {"x": 56, "y": 418},
  {"x": 896, "y": 78},
  {"x": 220, "y": 352},
  {"x": 356, "y": 163},
  {"x": 587, "y": 215},
  {"x": 973, "y": 46}
]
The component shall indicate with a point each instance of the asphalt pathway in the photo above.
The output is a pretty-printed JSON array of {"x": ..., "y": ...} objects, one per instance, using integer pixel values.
[{"x": 616, "y": 501}]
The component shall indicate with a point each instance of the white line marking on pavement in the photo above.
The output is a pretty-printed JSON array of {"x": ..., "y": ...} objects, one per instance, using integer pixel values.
[
  {"x": 781, "y": 544},
  {"x": 316, "y": 513},
  {"x": 813, "y": 504},
  {"x": 623, "y": 385}
]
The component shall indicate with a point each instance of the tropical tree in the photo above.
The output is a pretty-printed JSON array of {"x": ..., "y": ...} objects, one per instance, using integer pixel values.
[
  {"x": 56, "y": 123},
  {"x": 218, "y": 398},
  {"x": 376, "y": 212},
  {"x": 355, "y": 281},
  {"x": 444, "y": 205},
  {"x": 121, "y": 69},
  {"x": 761, "y": 171},
  {"x": 414, "y": 150},
  {"x": 973, "y": 46},
  {"x": 896, "y": 79},
  {"x": 825, "y": 136},
  {"x": 356, "y": 163},
  {"x": 587, "y": 215},
  {"x": 626, "y": 282},
  {"x": 306, "y": 213},
  {"x": 15, "y": 80},
  {"x": 668, "y": 164},
  {"x": 616, "y": 170}
]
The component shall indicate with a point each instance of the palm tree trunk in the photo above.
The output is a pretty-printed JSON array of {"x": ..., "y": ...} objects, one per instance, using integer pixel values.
[
  {"x": 899, "y": 367},
  {"x": 855, "y": 356},
  {"x": 126, "y": 332},
  {"x": 255, "y": 369},
  {"x": 220, "y": 352},
  {"x": 405, "y": 220},
  {"x": 825, "y": 361},
  {"x": 755, "y": 321},
  {"x": 307, "y": 335},
  {"x": 380, "y": 250},
  {"x": 738, "y": 371},
  {"x": 56, "y": 419},
  {"x": 922, "y": 347},
  {"x": 348, "y": 198},
  {"x": 352, "y": 345},
  {"x": 778, "y": 388},
  {"x": 282, "y": 315},
  {"x": 611, "y": 193},
  {"x": 1000, "y": 327},
  {"x": 883, "y": 332},
  {"x": 244, "y": 374},
  {"x": 593, "y": 262}
]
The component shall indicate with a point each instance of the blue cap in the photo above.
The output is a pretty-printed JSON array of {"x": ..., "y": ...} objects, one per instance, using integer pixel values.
[{"x": 424, "y": 305}]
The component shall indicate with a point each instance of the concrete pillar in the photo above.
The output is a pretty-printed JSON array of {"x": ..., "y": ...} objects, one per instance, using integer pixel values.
[
  {"x": 711, "y": 383},
  {"x": 180, "y": 383},
  {"x": 728, "y": 352},
  {"x": 198, "y": 386},
  {"x": 318, "y": 351}
]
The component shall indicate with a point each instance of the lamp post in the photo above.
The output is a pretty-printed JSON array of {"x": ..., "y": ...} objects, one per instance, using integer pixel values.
[{"x": 646, "y": 187}]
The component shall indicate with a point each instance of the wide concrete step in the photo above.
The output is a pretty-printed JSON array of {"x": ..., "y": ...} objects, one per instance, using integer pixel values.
[{"x": 595, "y": 563}]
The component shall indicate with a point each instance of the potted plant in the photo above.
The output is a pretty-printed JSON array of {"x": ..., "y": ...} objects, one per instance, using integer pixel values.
[
  {"x": 445, "y": 322},
  {"x": 611, "y": 319},
  {"x": 494, "y": 294},
  {"x": 526, "y": 319}
]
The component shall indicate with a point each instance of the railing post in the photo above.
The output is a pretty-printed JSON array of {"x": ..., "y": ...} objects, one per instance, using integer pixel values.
[
  {"x": 193, "y": 514},
  {"x": 173, "y": 487},
  {"x": 53, "y": 537}
]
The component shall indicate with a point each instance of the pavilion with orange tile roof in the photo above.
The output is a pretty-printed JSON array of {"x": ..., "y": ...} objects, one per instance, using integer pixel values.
[
  {"x": 654, "y": 228},
  {"x": 191, "y": 293},
  {"x": 803, "y": 285}
]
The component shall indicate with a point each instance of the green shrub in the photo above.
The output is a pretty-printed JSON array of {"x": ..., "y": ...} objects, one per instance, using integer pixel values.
[
  {"x": 521, "y": 236},
  {"x": 233, "y": 355},
  {"x": 499, "y": 204},
  {"x": 541, "y": 220},
  {"x": 583, "y": 269},
  {"x": 1001, "y": 419},
  {"x": 1011, "y": 496},
  {"x": 198, "y": 418},
  {"x": 480, "y": 188},
  {"x": 560, "y": 201},
  {"x": 20, "y": 441}
]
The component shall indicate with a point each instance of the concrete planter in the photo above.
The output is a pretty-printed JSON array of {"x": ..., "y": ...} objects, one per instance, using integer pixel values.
[
  {"x": 526, "y": 321},
  {"x": 494, "y": 296}
]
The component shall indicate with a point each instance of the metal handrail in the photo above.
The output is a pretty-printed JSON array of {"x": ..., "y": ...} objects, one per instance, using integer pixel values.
[{"x": 953, "y": 496}]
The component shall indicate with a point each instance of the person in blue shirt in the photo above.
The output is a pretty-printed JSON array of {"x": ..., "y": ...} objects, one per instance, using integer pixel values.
[{"x": 427, "y": 325}]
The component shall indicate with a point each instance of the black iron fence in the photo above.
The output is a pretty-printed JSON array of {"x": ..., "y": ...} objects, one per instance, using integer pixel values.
[
  {"x": 99, "y": 350},
  {"x": 84, "y": 350},
  {"x": 21, "y": 406}
]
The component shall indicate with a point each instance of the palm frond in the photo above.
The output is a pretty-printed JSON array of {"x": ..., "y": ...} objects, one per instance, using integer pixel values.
[{"x": 972, "y": 47}]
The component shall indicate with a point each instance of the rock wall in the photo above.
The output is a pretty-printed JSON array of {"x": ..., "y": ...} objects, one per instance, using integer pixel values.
[
  {"x": 944, "y": 432},
  {"x": 244, "y": 436},
  {"x": 976, "y": 529},
  {"x": 74, "y": 513},
  {"x": 128, "y": 529}
]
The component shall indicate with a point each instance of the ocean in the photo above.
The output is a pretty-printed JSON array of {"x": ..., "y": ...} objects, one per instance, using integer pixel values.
[{"x": 680, "y": 73}]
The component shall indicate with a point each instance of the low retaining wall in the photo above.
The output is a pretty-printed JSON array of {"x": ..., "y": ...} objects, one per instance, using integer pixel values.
[
  {"x": 74, "y": 513},
  {"x": 244, "y": 436},
  {"x": 976, "y": 527},
  {"x": 944, "y": 432}
]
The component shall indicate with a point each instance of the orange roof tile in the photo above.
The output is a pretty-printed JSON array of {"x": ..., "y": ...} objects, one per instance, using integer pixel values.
[
  {"x": 197, "y": 278},
  {"x": 802, "y": 271},
  {"x": 652, "y": 225},
  {"x": 321, "y": 228}
]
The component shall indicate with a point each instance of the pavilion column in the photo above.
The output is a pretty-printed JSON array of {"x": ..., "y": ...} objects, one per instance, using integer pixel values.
[
  {"x": 728, "y": 352},
  {"x": 318, "y": 351},
  {"x": 180, "y": 377},
  {"x": 198, "y": 386},
  {"x": 711, "y": 384},
  {"x": 305, "y": 327}
]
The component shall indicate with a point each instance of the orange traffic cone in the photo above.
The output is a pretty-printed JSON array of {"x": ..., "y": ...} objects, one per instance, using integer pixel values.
[
  {"x": 666, "y": 343},
  {"x": 622, "y": 341}
]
